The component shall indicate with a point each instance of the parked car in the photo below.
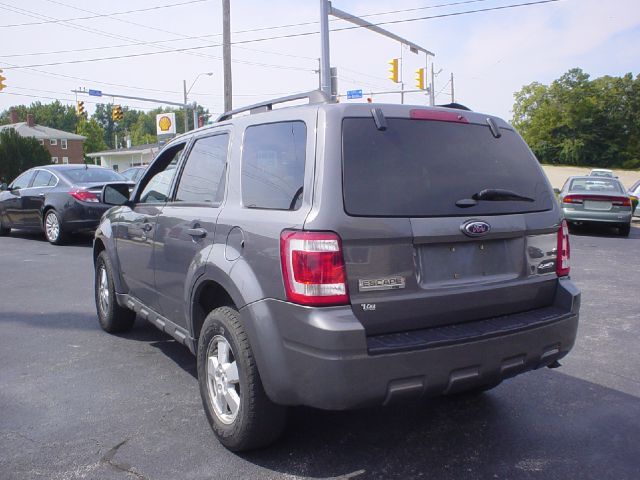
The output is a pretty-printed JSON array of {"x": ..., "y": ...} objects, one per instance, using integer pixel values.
[
  {"x": 602, "y": 172},
  {"x": 134, "y": 173},
  {"x": 602, "y": 200},
  {"x": 341, "y": 255},
  {"x": 57, "y": 199},
  {"x": 634, "y": 193}
]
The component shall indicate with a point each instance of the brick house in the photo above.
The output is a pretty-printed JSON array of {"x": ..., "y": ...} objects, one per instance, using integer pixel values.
[{"x": 64, "y": 147}]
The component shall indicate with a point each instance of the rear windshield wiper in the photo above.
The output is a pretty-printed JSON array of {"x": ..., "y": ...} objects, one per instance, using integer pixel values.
[
  {"x": 492, "y": 195},
  {"x": 498, "y": 194}
]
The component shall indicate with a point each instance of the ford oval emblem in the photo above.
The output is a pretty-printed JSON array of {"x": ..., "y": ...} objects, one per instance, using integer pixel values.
[{"x": 475, "y": 228}]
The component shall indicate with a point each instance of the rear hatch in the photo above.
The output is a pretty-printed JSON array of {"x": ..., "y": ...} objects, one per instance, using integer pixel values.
[{"x": 450, "y": 221}]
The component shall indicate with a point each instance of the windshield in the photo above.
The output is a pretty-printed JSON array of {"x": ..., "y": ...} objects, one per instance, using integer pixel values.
[
  {"x": 93, "y": 175},
  {"x": 419, "y": 168}
]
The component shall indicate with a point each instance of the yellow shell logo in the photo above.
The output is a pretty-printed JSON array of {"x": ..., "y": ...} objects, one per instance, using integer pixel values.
[{"x": 164, "y": 124}]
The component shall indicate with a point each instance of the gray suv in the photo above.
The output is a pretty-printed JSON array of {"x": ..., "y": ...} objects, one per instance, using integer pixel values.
[{"x": 339, "y": 256}]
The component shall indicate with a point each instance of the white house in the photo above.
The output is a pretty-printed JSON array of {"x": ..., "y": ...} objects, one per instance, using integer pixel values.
[{"x": 122, "y": 158}]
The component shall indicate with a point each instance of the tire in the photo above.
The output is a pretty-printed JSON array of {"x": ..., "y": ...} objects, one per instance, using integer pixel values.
[
  {"x": 111, "y": 316},
  {"x": 625, "y": 229},
  {"x": 4, "y": 230},
  {"x": 53, "y": 228},
  {"x": 250, "y": 419}
]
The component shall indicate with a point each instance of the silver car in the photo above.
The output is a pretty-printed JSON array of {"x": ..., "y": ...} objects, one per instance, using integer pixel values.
[{"x": 596, "y": 200}]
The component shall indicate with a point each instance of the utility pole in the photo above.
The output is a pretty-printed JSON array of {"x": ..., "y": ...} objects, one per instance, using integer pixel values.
[
  {"x": 186, "y": 109},
  {"x": 453, "y": 98},
  {"x": 226, "y": 54},
  {"x": 325, "y": 74},
  {"x": 432, "y": 91}
]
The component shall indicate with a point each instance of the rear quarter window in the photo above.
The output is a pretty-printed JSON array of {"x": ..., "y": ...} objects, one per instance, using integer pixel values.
[
  {"x": 273, "y": 158},
  {"x": 418, "y": 168}
]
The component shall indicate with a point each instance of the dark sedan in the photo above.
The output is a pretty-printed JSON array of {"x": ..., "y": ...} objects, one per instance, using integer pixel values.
[{"x": 56, "y": 199}]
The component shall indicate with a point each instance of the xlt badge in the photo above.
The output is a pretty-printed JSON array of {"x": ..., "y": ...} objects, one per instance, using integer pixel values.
[{"x": 388, "y": 283}]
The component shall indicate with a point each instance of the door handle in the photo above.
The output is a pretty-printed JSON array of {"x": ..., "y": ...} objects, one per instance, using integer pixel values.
[
  {"x": 197, "y": 232},
  {"x": 146, "y": 227},
  {"x": 41, "y": 194}
]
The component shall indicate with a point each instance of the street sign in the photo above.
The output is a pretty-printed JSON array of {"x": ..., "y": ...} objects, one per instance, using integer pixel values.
[
  {"x": 95, "y": 93},
  {"x": 353, "y": 94}
]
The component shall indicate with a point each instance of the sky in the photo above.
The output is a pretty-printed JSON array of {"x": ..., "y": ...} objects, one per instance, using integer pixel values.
[{"x": 490, "y": 54}]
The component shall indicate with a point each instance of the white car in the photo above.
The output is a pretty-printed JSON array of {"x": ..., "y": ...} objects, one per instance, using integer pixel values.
[{"x": 602, "y": 172}]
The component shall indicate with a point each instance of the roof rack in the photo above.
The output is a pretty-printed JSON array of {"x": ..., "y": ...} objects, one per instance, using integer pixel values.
[{"x": 314, "y": 96}]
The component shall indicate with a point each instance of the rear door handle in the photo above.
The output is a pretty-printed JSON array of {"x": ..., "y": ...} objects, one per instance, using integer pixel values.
[
  {"x": 41, "y": 194},
  {"x": 197, "y": 232}
]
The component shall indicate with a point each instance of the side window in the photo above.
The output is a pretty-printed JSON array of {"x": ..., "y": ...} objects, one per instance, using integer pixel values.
[
  {"x": 158, "y": 182},
  {"x": 22, "y": 181},
  {"x": 273, "y": 158},
  {"x": 203, "y": 173},
  {"x": 43, "y": 179}
]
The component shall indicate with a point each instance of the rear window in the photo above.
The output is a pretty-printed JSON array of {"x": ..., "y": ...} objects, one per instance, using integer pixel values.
[
  {"x": 418, "y": 168},
  {"x": 91, "y": 175},
  {"x": 601, "y": 185}
]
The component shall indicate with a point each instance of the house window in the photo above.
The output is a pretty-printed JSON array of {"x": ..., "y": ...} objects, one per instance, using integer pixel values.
[
  {"x": 41, "y": 142},
  {"x": 53, "y": 141},
  {"x": 65, "y": 160},
  {"x": 63, "y": 143},
  {"x": 54, "y": 159}
]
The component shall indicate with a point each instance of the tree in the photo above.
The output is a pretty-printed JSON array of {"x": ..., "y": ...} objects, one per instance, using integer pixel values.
[
  {"x": 95, "y": 135},
  {"x": 53, "y": 115},
  {"x": 18, "y": 154},
  {"x": 578, "y": 121}
]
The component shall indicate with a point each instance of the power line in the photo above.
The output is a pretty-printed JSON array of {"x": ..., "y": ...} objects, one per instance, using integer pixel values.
[
  {"x": 159, "y": 7},
  {"x": 199, "y": 37},
  {"x": 293, "y": 35}
]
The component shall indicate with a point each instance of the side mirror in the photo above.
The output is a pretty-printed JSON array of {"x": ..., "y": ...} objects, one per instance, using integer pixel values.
[
  {"x": 3, "y": 187},
  {"x": 556, "y": 191},
  {"x": 116, "y": 193}
]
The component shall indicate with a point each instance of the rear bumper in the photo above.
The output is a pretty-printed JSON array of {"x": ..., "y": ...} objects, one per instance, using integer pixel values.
[
  {"x": 585, "y": 216},
  {"x": 82, "y": 216},
  {"x": 320, "y": 357}
]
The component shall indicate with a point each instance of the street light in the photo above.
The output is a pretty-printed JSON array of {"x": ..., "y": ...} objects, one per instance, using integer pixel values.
[{"x": 186, "y": 108}]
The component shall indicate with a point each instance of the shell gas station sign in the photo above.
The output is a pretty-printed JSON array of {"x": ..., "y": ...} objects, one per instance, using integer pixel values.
[{"x": 166, "y": 124}]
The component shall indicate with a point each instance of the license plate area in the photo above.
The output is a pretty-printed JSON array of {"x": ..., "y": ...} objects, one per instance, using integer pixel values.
[
  {"x": 596, "y": 205},
  {"x": 453, "y": 264}
]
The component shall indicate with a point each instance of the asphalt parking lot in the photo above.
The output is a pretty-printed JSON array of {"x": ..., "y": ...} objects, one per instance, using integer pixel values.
[{"x": 77, "y": 403}]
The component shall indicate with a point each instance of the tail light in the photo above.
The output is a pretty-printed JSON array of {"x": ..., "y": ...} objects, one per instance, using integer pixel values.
[
  {"x": 313, "y": 268},
  {"x": 575, "y": 199},
  {"x": 621, "y": 202},
  {"x": 564, "y": 253},
  {"x": 84, "y": 195}
]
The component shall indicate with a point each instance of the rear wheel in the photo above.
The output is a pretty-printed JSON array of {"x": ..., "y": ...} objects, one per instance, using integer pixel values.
[
  {"x": 4, "y": 230},
  {"x": 237, "y": 407},
  {"x": 53, "y": 228},
  {"x": 625, "y": 229},
  {"x": 112, "y": 317}
]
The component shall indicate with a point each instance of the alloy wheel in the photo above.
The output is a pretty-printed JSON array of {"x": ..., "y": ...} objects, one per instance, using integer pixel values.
[
  {"x": 223, "y": 381},
  {"x": 103, "y": 290},
  {"x": 52, "y": 226}
]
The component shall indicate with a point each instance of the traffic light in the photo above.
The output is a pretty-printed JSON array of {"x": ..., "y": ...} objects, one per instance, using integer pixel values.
[
  {"x": 80, "y": 109},
  {"x": 420, "y": 78},
  {"x": 2, "y": 79},
  {"x": 116, "y": 113},
  {"x": 394, "y": 70}
]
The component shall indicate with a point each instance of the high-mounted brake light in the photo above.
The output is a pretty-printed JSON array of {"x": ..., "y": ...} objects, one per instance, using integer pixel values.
[
  {"x": 564, "y": 252},
  {"x": 439, "y": 115},
  {"x": 313, "y": 268},
  {"x": 84, "y": 195}
]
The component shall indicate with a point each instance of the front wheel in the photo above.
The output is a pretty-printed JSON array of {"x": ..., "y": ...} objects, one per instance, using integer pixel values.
[
  {"x": 112, "y": 317},
  {"x": 237, "y": 407},
  {"x": 53, "y": 228}
]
